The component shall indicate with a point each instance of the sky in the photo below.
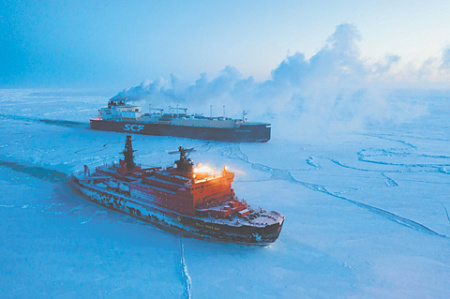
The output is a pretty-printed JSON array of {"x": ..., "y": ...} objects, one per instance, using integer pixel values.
[{"x": 119, "y": 44}]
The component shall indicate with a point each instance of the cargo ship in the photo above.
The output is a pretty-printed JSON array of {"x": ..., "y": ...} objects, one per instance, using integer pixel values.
[
  {"x": 187, "y": 200},
  {"x": 119, "y": 116}
]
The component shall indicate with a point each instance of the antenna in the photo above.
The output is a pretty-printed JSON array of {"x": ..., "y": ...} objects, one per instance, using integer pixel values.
[
  {"x": 182, "y": 149},
  {"x": 243, "y": 115},
  {"x": 210, "y": 111},
  {"x": 223, "y": 111}
]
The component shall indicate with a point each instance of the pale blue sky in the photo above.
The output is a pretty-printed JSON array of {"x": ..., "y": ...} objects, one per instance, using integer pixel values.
[{"x": 121, "y": 43}]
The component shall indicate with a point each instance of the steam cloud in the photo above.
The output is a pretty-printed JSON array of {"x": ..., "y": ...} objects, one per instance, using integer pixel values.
[
  {"x": 446, "y": 59},
  {"x": 333, "y": 90}
]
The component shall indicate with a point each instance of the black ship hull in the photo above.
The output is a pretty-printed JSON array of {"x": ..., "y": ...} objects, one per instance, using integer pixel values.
[
  {"x": 246, "y": 132},
  {"x": 196, "y": 227}
]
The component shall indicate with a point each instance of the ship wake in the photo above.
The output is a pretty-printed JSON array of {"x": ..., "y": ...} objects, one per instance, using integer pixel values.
[
  {"x": 55, "y": 122},
  {"x": 185, "y": 274}
]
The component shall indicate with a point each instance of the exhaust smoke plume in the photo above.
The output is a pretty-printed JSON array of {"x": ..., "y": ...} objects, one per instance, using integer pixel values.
[{"x": 334, "y": 90}]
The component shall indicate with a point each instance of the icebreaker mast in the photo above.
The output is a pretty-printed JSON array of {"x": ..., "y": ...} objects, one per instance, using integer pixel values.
[
  {"x": 184, "y": 165},
  {"x": 128, "y": 154}
]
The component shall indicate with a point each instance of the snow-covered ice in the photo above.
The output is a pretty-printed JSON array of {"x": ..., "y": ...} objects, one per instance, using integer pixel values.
[{"x": 367, "y": 212}]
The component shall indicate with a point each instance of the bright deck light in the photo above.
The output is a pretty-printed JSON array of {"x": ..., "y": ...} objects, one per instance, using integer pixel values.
[{"x": 202, "y": 169}]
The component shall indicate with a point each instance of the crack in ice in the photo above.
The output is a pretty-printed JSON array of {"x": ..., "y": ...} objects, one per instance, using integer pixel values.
[{"x": 283, "y": 174}]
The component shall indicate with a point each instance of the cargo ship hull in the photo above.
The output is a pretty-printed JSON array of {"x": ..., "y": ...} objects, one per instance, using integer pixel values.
[
  {"x": 188, "y": 226},
  {"x": 245, "y": 132}
]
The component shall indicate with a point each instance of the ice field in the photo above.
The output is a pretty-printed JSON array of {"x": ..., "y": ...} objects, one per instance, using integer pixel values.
[{"x": 367, "y": 211}]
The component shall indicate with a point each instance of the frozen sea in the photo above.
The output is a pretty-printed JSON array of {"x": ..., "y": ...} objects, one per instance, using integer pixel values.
[{"x": 367, "y": 211}]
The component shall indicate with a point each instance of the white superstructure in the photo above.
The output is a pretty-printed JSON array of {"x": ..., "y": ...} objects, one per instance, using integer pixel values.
[{"x": 119, "y": 111}]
